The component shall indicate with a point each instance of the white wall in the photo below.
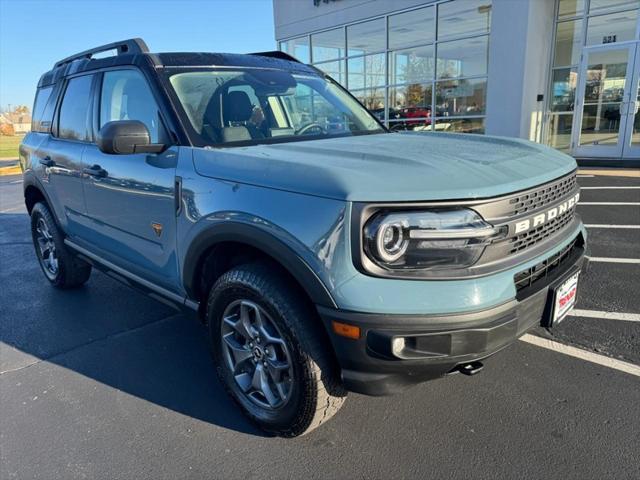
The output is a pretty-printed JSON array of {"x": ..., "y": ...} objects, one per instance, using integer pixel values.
[{"x": 519, "y": 53}]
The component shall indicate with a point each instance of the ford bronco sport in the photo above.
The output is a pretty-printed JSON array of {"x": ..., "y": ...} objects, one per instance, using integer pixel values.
[{"x": 325, "y": 253}]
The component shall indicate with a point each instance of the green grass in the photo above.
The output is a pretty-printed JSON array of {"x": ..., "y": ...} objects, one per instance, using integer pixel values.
[{"x": 9, "y": 146}]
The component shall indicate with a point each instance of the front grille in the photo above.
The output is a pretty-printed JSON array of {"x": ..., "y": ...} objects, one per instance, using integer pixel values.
[
  {"x": 544, "y": 196},
  {"x": 530, "y": 276},
  {"x": 530, "y": 238}
]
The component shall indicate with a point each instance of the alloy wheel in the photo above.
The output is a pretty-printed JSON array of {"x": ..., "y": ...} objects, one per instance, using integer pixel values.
[
  {"x": 47, "y": 248},
  {"x": 256, "y": 354}
]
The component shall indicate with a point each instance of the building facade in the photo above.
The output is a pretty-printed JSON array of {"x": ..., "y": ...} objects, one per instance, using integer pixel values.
[{"x": 561, "y": 72}]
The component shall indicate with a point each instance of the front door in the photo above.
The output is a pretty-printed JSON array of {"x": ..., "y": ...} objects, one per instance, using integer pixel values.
[
  {"x": 606, "y": 125},
  {"x": 130, "y": 198}
]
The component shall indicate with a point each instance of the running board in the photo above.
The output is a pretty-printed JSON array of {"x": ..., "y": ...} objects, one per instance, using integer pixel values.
[{"x": 132, "y": 280}]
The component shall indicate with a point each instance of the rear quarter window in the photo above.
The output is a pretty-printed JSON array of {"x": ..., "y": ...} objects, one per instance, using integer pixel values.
[
  {"x": 42, "y": 110},
  {"x": 74, "y": 123}
]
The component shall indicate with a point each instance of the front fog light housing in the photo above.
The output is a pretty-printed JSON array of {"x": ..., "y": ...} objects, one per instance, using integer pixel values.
[{"x": 427, "y": 240}]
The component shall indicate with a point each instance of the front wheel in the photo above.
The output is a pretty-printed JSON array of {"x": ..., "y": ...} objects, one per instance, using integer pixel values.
[
  {"x": 59, "y": 265},
  {"x": 271, "y": 352}
]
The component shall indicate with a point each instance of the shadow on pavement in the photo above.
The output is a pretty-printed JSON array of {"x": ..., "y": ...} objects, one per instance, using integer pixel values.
[{"x": 107, "y": 332}]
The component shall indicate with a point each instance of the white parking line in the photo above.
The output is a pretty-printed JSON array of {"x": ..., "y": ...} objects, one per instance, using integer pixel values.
[
  {"x": 611, "y": 203},
  {"x": 625, "y": 317},
  {"x": 614, "y": 260},
  {"x": 600, "y": 225},
  {"x": 609, "y": 188},
  {"x": 586, "y": 176},
  {"x": 596, "y": 358}
]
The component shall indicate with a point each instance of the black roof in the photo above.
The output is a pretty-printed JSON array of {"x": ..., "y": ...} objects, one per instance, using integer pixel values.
[{"x": 135, "y": 52}]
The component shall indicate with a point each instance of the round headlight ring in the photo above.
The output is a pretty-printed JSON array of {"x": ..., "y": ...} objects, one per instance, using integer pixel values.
[{"x": 391, "y": 241}]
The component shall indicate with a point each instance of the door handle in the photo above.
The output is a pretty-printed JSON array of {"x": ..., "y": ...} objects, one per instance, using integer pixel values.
[
  {"x": 47, "y": 161},
  {"x": 95, "y": 171}
]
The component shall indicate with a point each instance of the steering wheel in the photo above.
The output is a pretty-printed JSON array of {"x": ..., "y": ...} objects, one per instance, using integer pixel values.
[{"x": 308, "y": 127}]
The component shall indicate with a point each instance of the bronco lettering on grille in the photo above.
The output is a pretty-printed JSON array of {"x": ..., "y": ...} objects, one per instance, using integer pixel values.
[{"x": 542, "y": 218}]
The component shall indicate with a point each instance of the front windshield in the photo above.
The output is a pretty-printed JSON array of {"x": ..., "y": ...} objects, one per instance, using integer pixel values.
[{"x": 240, "y": 107}]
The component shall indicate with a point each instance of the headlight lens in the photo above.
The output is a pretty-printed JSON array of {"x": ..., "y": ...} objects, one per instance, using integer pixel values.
[{"x": 432, "y": 239}]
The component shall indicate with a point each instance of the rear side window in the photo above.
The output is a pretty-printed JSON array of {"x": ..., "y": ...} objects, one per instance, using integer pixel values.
[
  {"x": 42, "y": 111},
  {"x": 73, "y": 123},
  {"x": 126, "y": 96}
]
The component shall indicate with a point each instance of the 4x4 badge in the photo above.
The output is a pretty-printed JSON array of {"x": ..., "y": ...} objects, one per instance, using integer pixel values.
[{"x": 157, "y": 228}]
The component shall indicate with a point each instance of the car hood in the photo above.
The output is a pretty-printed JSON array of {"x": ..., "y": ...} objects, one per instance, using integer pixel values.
[{"x": 390, "y": 167}]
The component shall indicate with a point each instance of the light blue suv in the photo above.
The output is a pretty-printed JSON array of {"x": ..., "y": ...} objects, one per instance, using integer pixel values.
[{"x": 325, "y": 253}]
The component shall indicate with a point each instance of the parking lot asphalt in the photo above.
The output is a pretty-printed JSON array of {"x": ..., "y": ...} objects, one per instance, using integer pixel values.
[{"x": 104, "y": 382}]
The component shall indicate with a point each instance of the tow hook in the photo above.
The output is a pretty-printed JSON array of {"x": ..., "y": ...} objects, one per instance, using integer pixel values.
[{"x": 470, "y": 368}]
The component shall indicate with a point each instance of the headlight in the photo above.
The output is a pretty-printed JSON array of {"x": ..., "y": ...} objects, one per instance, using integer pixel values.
[{"x": 432, "y": 239}]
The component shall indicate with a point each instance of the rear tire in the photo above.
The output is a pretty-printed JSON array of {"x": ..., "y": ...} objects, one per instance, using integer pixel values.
[
  {"x": 271, "y": 351},
  {"x": 59, "y": 265}
]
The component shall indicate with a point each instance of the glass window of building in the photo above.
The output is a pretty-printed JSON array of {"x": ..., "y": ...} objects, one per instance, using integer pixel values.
[
  {"x": 419, "y": 69},
  {"x": 612, "y": 28},
  {"x": 463, "y": 58},
  {"x": 366, "y": 37},
  {"x": 570, "y": 8},
  {"x": 463, "y": 17},
  {"x": 328, "y": 45},
  {"x": 412, "y": 28},
  {"x": 601, "y": 6},
  {"x": 297, "y": 47},
  {"x": 412, "y": 65},
  {"x": 568, "y": 43},
  {"x": 335, "y": 70}
]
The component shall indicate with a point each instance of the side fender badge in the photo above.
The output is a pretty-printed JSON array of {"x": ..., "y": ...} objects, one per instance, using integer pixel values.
[{"x": 157, "y": 228}]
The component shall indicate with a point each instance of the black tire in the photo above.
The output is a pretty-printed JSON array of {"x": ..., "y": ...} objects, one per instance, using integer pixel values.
[
  {"x": 315, "y": 393},
  {"x": 70, "y": 271}
]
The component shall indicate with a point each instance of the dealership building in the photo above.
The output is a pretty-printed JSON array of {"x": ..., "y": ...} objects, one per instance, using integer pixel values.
[{"x": 560, "y": 72}]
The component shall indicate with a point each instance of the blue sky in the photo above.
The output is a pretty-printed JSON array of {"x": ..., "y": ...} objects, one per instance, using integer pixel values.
[{"x": 36, "y": 33}]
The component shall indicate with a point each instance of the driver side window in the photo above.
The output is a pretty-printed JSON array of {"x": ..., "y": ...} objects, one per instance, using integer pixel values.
[{"x": 127, "y": 96}]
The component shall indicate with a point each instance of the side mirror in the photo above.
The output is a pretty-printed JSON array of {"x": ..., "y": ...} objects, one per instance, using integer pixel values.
[{"x": 124, "y": 137}]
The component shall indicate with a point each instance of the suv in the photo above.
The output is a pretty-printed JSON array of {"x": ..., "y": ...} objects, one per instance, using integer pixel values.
[{"x": 325, "y": 253}]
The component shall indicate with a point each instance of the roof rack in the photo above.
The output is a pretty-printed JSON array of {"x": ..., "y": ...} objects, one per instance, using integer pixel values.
[
  {"x": 277, "y": 54},
  {"x": 132, "y": 45}
]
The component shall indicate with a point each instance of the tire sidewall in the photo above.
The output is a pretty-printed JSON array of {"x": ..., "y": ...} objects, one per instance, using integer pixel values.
[
  {"x": 40, "y": 211},
  {"x": 289, "y": 413}
]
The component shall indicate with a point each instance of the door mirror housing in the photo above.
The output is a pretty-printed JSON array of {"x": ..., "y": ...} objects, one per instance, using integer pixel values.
[{"x": 125, "y": 137}]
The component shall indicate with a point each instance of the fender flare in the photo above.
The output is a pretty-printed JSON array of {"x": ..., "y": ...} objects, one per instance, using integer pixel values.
[{"x": 258, "y": 238}]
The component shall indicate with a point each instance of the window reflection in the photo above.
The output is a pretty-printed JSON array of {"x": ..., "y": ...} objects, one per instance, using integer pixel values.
[
  {"x": 366, "y": 37},
  {"x": 568, "y": 43},
  {"x": 366, "y": 72},
  {"x": 411, "y": 65},
  {"x": 461, "y": 97},
  {"x": 463, "y": 17},
  {"x": 559, "y": 131},
  {"x": 617, "y": 27},
  {"x": 563, "y": 89},
  {"x": 328, "y": 45},
  {"x": 412, "y": 28},
  {"x": 460, "y": 125},
  {"x": 334, "y": 69},
  {"x": 463, "y": 58},
  {"x": 297, "y": 47},
  {"x": 570, "y": 8}
]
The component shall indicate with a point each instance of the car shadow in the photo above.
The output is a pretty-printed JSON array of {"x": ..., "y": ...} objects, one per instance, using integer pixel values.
[{"x": 107, "y": 332}]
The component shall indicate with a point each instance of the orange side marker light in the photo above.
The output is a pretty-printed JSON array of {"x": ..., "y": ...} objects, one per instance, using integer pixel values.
[{"x": 346, "y": 330}]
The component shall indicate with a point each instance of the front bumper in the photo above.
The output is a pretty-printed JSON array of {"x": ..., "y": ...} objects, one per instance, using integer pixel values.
[{"x": 397, "y": 351}]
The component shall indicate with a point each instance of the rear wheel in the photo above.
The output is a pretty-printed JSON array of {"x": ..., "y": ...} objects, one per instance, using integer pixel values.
[
  {"x": 271, "y": 351},
  {"x": 58, "y": 264}
]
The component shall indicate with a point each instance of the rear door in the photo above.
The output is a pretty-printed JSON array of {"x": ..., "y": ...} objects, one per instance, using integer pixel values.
[
  {"x": 62, "y": 152},
  {"x": 130, "y": 198}
]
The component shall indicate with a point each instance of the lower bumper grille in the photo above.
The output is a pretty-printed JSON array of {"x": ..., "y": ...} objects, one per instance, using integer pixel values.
[{"x": 530, "y": 276}]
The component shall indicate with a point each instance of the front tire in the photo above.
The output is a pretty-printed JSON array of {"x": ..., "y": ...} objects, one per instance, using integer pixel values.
[
  {"x": 271, "y": 351},
  {"x": 59, "y": 265}
]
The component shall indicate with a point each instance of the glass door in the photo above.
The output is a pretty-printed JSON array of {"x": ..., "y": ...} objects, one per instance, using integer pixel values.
[
  {"x": 604, "y": 89},
  {"x": 631, "y": 148}
]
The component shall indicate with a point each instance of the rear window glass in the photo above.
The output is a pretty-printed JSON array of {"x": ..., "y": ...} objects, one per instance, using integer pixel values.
[
  {"x": 42, "y": 111},
  {"x": 73, "y": 123}
]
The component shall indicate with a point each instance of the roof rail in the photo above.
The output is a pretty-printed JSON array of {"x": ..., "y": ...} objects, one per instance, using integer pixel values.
[
  {"x": 277, "y": 54},
  {"x": 132, "y": 45}
]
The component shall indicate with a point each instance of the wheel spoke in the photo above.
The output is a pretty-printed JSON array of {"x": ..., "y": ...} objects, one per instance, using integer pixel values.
[
  {"x": 276, "y": 368},
  {"x": 269, "y": 339},
  {"x": 261, "y": 383},
  {"x": 236, "y": 322},
  {"x": 244, "y": 381},
  {"x": 240, "y": 352}
]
